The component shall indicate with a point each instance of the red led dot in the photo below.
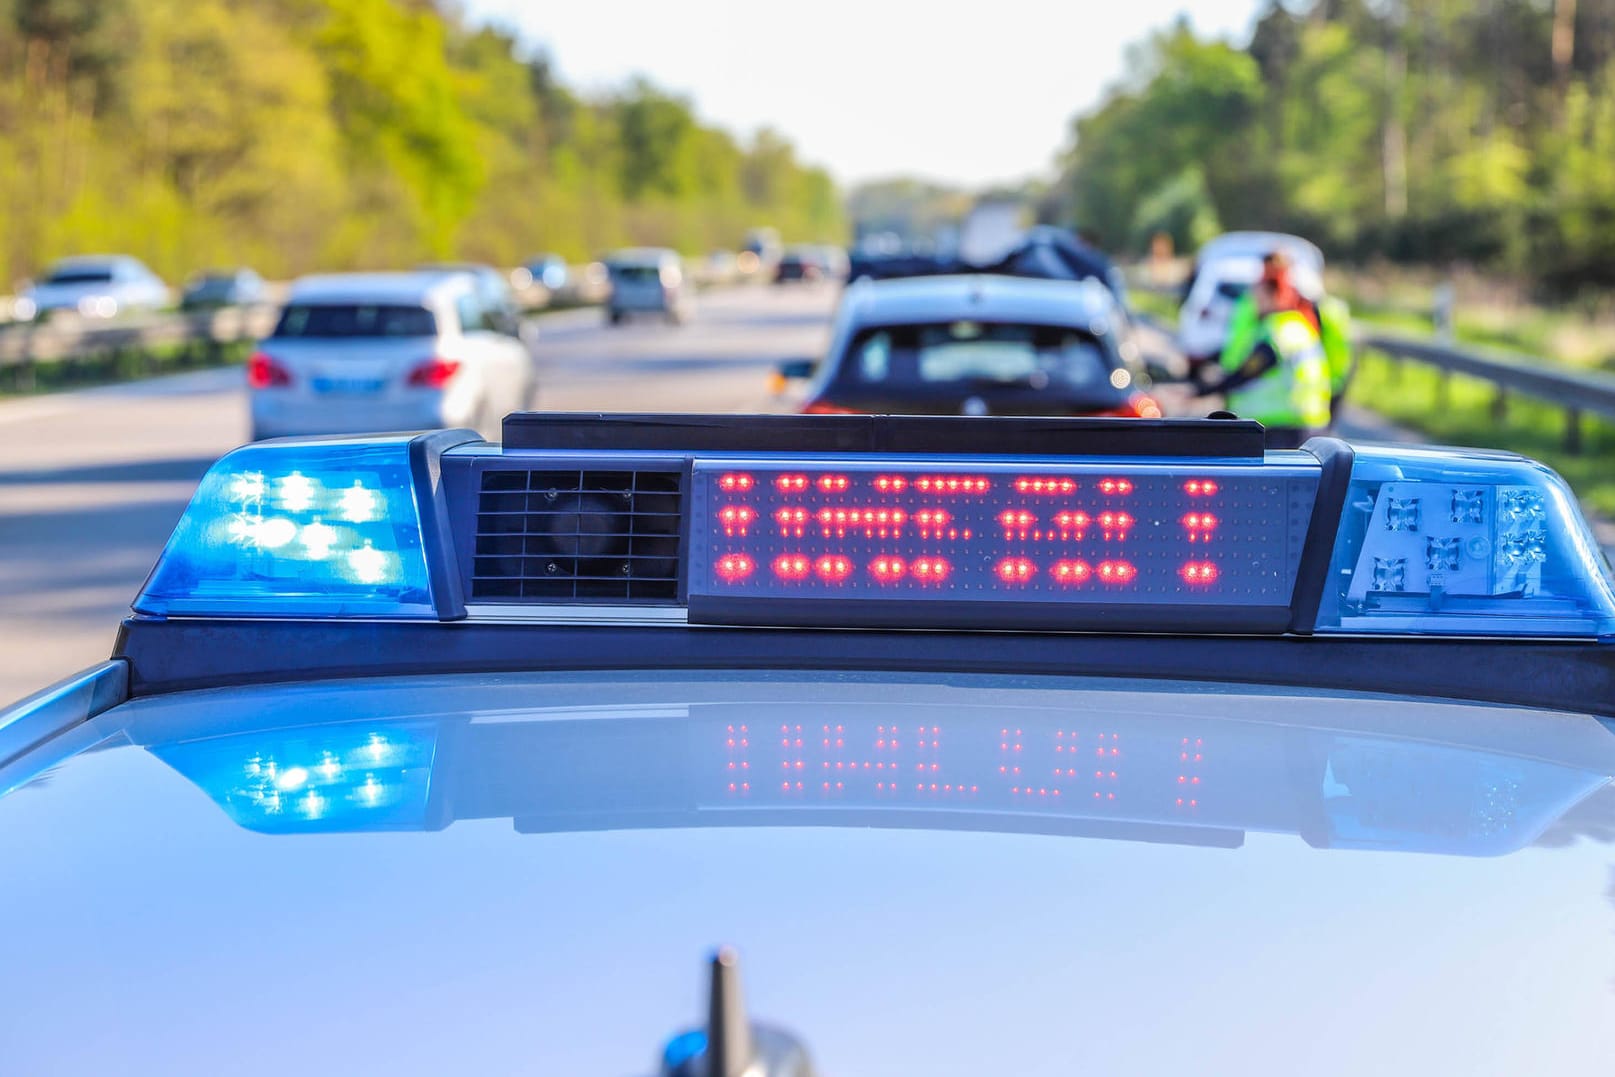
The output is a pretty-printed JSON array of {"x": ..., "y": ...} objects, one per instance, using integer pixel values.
[
  {"x": 887, "y": 569},
  {"x": 1200, "y": 521},
  {"x": 930, "y": 569},
  {"x": 734, "y": 482},
  {"x": 791, "y": 566},
  {"x": 833, "y": 484},
  {"x": 1015, "y": 570},
  {"x": 1200, "y": 487},
  {"x": 832, "y": 569},
  {"x": 733, "y": 567},
  {"x": 1117, "y": 572},
  {"x": 890, "y": 484},
  {"x": 1016, "y": 519},
  {"x": 1115, "y": 523},
  {"x": 736, "y": 519},
  {"x": 791, "y": 484},
  {"x": 1115, "y": 486},
  {"x": 1198, "y": 572},
  {"x": 1071, "y": 572},
  {"x": 1072, "y": 521},
  {"x": 951, "y": 484},
  {"x": 1045, "y": 485},
  {"x": 789, "y": 518}
]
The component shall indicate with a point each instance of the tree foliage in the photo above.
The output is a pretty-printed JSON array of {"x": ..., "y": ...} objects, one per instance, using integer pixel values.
[
  {"x": 302, "y": 134},
  {"x": 1416, "y": 130}
]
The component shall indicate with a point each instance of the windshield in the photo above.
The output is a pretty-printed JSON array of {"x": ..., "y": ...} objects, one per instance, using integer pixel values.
[
  {"x": 80, "y": 276},
  {"x": 355, "y": 320},
  {"x": 638, "y": 274},
  {"x": 1030, "y": 356}
]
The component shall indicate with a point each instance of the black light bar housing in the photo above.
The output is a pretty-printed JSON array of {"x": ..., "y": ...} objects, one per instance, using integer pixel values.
[{"x": 1228, "y": 438}]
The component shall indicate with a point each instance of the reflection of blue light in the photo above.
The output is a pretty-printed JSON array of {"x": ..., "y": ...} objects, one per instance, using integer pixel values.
[
  {"x": 683, "y": 1047},
  {"x": 315, "y": 778},
  {"x": 1384, "y": 794},
  {"x": 296, "y": 529}
]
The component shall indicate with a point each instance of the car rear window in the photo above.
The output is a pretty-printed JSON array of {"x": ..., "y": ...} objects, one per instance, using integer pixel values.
[
  {"x": 355, "y": 320},
  {"x": 636, "y": 274},
  {"x": 1230, "y": 289},
  {"x": 1025, "y": 356},
  {"x": 80, "y": 276}
]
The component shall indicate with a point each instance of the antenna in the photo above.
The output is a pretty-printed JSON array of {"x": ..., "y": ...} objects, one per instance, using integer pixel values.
[{"x": 729, "y": 1050}]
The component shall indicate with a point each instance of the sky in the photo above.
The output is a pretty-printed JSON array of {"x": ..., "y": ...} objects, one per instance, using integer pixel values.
[{"x": 964, "y": 94}]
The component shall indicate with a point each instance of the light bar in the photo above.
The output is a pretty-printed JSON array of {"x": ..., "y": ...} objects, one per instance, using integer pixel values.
[
  {"x": 1369, "y": 542},
  {"x": 320, "y": 528},
  {"x": 1463, "y": 543}
]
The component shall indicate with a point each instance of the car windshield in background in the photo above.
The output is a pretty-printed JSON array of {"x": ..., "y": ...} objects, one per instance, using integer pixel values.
[
  {"x": 636, "y": 273},
  {"x": 355, "y": 320},
  {"x": 81, "y": 276},
  {"x": 1025, "y": 356},
  {"x": 1230, "y": 289}
]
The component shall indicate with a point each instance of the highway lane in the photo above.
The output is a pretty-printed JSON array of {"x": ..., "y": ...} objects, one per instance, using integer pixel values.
[{"x": 92, "y": 482}]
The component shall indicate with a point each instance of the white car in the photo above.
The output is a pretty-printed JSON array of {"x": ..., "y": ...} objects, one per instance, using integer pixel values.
[
  {"x": 94, "y": 286},
  {"x": 648, "y": 280},
  {"x": 387, "y": 351},
  {"x": 1224, "y": 271}
]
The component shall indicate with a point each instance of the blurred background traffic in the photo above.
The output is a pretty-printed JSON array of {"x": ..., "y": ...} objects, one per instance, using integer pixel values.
[{"x": 229, "y": 219}]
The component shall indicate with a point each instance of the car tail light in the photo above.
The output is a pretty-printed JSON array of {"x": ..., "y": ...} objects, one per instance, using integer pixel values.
[
  {"x": 1138, "y": 406},
  {"x": 433, "y": 374},
  {"x": 1145, "y": 407},
  {"x": 264, "y": 372},
  {"x": 819, "y": 407}
]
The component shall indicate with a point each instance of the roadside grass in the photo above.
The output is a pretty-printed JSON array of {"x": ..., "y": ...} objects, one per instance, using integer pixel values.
[
  {"x": 1461, "y": 414},
  {"x": 1162, "y": 308}
]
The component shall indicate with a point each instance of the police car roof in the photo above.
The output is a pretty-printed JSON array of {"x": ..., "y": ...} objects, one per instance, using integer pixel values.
[
  {"x": 984, "y": 297},
  {"x": 1240, "y": 852},
  {"x": 401, "y": 288}
]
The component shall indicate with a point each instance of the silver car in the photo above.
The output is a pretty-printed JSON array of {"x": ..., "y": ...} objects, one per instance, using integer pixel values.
[
  {"x": 94, "y": 286},
  {"x": 387, "y": 351},
  {"x": 648, "y": 280}
]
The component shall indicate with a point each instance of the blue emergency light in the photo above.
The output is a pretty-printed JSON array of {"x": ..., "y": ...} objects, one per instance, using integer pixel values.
[
  {"x": 1120, "y": 532},
  {"x": 311, "y": 528}
]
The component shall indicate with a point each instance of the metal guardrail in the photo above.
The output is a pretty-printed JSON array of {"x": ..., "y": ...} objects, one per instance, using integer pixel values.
[
  {"x": 1579, "y": 393},
  {"x": 69, "y": 338}
]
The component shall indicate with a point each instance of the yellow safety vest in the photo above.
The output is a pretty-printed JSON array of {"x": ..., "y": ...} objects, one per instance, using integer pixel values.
[{"x": 1295, "y": 391}]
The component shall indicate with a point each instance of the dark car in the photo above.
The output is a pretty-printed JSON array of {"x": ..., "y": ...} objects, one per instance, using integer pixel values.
[
  {"x": 223, "y": 288},
  {"x": 798, "y": 264},
  {"x": 978, "y": 345}
]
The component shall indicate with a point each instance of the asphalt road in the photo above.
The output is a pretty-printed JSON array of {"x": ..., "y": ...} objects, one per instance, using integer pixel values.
[{"x": 92, "y": 482}]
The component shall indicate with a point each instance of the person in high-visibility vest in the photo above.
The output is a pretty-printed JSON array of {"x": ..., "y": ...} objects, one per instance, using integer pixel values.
[{"x": 1275, "y": 366}]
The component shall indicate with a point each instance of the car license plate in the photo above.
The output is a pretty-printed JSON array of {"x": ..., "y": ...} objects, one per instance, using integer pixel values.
[{"x": 348, "y": 385}]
